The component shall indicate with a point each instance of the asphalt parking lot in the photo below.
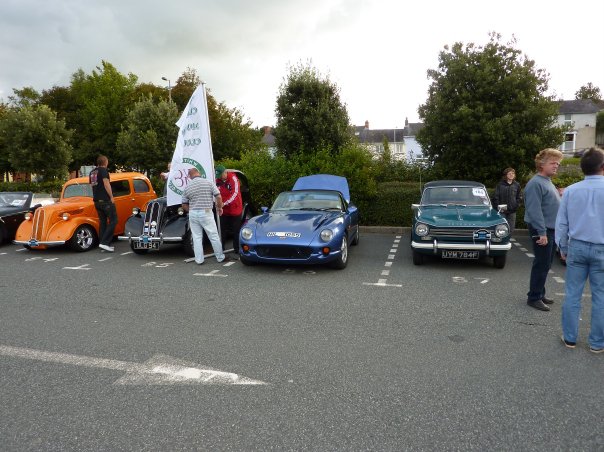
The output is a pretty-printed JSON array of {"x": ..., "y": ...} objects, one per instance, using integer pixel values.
[{"x": 115, "y": 351}]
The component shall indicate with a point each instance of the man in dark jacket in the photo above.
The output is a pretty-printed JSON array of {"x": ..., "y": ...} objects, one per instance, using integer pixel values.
[{"x": 508, "y": 192}]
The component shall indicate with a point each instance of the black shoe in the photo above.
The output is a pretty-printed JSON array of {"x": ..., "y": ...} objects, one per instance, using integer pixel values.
[
  {"x": 547, "y": 300},
  {"x": 567, "y": 343},
  {"x": 538, "y": 304}
]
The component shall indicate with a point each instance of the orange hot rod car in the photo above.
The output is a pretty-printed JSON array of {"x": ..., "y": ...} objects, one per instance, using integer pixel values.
[{"x": 74, "y": 220}]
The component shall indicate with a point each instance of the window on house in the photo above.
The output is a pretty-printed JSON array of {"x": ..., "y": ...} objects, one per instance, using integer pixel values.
[{"x": 568, "y": 120}]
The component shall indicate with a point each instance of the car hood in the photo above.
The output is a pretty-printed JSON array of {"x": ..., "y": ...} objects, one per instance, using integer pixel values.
[
  {"x": 69, "y": 205},
  {"x": 459, "y": 216},
  {"x": 292, "y": 226}
]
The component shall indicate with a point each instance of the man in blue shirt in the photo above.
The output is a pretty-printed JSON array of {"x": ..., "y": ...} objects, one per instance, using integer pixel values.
[
  {"x": 541, "y": 201},
  {"x": 580, "y": 236}
]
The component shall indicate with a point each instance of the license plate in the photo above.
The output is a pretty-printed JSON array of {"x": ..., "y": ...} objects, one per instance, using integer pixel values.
[
  {"x": 33, "y": 242},
  {"x": 449, "y": 254},
  {"x": 141, "y": 245}
]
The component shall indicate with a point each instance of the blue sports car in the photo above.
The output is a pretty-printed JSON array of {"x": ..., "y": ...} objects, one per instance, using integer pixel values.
[{"x": 312, "y": 224}]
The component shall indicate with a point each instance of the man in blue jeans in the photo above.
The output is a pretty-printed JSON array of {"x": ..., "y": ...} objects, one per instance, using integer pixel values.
[
  {"x": 541, "y": 201},
  {"x": 102, "y": 196},
  {"x": 580, "y": 236},
  {"x": 198, "y": 199}
]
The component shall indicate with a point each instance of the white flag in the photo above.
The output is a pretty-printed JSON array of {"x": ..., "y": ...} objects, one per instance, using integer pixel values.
[{"x": 193, "y": 146}]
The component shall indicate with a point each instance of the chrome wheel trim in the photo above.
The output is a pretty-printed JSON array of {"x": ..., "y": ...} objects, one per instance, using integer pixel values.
[
  {"x": 84, "y": 238},
  {"x": 344, "y": 250}
]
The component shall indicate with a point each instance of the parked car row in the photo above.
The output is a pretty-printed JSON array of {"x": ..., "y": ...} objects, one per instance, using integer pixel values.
[{"x": 313, "y": 223}]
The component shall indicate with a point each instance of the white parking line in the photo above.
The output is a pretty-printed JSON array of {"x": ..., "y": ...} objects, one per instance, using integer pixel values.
[
  {"x": 558, "y": 279},
  {"x": 22, "y": 249},
  {"x": 391, "y": 256},
  {"x": 212, "y": 273},
  {"x": 81, "y": 267},
  {"x": 387, "y": 264},
  {"x": 530, "y": 255},
  {"x": 523, "y": 249},
  {"x": 127, "y": 252},
  {"x": 106, "y": 259},
  {"x": 228, "y": 264},
  {"x": 385, "y": 272},
  {"x": 393, "y": 250},
  {"x": 585, "y": 295},
  {"x": 382, "y": 283}
]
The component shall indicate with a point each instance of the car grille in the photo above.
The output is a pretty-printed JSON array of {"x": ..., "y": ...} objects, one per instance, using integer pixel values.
[
  {"x": 38, "y": 224},
  {"x": 452, "y": 232},
  {"x": 284, "y": 252},
  {"x": 153, "y": 213}
]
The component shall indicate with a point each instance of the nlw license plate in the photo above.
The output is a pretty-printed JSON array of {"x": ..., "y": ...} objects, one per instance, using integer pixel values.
[
  {"x": 140, "y": 245},
  {"x": 450, "y": 254}
]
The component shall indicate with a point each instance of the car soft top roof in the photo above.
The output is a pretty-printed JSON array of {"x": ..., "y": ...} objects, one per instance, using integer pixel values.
[
  {"x": 324, "y": 182},
  {"x": 453, "y": 183}
]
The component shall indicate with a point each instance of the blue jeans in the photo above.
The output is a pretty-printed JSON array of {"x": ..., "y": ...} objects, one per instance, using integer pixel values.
[
  {"x": 584, "y": 260},
  {"x": 106, "y": 211},
  {"x": 200, "y": 220},
  {"x": 544, "y": 255}
]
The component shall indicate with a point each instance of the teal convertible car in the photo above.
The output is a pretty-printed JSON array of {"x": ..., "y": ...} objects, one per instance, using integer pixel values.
[{"x": 455, "y": 220}]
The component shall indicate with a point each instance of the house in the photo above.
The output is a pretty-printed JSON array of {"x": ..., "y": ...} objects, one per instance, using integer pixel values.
[
  {"x": 580, "y": 115},
  {"x": 401, "y": 142}
]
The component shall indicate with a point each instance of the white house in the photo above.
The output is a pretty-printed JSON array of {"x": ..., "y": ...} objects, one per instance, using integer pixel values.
[{"x": 580, "y": 115}]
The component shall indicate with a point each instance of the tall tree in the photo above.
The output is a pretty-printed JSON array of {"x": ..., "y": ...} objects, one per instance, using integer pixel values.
[
  {"x": 25, "y": 97},
  {"x": 486, "y": 110},
  {"x": 184, "y": 87},
  {"x": 589, "y": 91},
  {"x": 103, "y": 99},
  {"x": 147, "y": 141},
  {"x": 36, "y": 141},
  {"x": 310, "y": 114}
]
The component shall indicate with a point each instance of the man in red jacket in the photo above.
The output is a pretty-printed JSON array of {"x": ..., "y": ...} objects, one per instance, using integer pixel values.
[{"x": 230, "y": 191}]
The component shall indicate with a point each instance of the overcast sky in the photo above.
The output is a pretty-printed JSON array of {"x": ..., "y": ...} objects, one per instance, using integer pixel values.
[{"x": 376, "y": 51}]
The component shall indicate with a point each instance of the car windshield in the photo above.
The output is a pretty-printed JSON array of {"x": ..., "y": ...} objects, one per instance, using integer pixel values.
[
  {"x": 459, "y": 196},
  {"x": 8, "y": 199},
  {"x": 308, "y": 200},
  {"x": 71, "y": 191}
]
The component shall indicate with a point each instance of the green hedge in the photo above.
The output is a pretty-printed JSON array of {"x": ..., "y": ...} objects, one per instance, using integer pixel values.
[{"x": 51, "y": 187}]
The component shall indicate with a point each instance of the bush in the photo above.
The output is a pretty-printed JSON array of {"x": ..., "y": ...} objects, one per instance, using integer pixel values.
[{"x": 52, "y": 187}]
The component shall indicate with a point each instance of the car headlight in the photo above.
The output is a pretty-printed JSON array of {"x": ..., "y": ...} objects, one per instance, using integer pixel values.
[
  {"x": 135, "y": 211},
  {"x": 421, "y": 229},
  {"x": 501, "y": 230},
  {"x": 247, "y": 233},
  {"x": 28, "y": 216},
  {"x": 326, "y": 235},
  {"x": 65, "y": 216}
]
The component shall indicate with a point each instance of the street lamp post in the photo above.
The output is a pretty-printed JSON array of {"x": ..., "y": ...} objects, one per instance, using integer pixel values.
[{"x": 169, "y": 89}]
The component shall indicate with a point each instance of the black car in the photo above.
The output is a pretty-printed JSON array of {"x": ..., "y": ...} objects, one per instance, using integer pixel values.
[
  {"x": 159, "y": 223},
  {"x": 14, "y": 205}
]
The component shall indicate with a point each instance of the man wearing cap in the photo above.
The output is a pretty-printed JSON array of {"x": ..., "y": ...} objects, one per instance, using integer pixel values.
[
  {"x": 230, "y": 191},
  {"x": 198, "y": 199}
]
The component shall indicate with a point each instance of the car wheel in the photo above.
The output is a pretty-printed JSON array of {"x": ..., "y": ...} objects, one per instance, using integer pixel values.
[
  {"x": 187, "y": 244},
  {"x": 342, "y": 259},
  {"x": 355, "y": 242},
  {"x": 499, "y": 261},
  {"x": 83, "y": 239},
  {"x": 418, "y": 258},
  {"x": 138, "y": 250}
]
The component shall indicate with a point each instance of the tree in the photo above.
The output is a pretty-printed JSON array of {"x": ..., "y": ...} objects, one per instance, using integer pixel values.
[
  {"x": 310, "y": 115},
  {"x": 184, "y": 87},
  {"x": 25, "y": 97},
  {"x": 103, "y": 99},
  {"x": 149, "y": 136},
  {"x": 589, "y": 91},
  {"x": 486, "y": 110},
  {"x": 36, "y": 141}
]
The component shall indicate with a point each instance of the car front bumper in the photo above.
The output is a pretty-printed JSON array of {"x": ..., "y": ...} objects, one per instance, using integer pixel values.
[
  {"x": 34, "y": 243},
  {"x": 486, "y": 247}
]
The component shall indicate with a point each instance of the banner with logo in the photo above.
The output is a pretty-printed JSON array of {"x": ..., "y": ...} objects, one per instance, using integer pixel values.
[{"x": 193, "y": 146}]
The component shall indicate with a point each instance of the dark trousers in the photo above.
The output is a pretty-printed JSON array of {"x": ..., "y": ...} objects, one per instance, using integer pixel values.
[
  {"x": 544, "y": 255},
  {"x": 106, "y": 211},
  {"x": 230, "y": 226}
]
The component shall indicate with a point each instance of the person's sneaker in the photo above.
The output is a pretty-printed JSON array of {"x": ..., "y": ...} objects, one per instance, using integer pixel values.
[
  {"x": 596, "y": 350},
  {"x": 538, "y": 304},
  {"x": 107, "y": 248},
  {"x": 567, "y": 343}
]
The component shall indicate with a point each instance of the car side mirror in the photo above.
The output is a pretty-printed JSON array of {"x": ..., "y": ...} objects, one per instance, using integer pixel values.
[
  {"x": 264, "y": 209},
  {"x": 502, "y": 208}
]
